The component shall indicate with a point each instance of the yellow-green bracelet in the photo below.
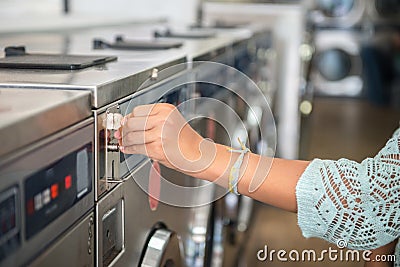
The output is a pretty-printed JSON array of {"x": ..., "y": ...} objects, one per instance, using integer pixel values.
[{"x": 235, "y": 170}]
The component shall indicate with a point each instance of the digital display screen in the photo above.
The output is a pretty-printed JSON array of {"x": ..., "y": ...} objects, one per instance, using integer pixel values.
[{"x": 56, "y": 188}]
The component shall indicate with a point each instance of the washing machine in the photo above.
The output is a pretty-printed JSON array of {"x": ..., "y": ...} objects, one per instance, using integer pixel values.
[
  {"x": 336, "y": 66},
  {"x": 128, "y": 225},
  {"x": 132, "y": 229},
  {"x": 46, "y": 178},
  {"x": 165, "y": 222},
  {"x": 383, "y": 12},
  {"x": 335, "y": 13},
  {"x": 231, "y": 214}
]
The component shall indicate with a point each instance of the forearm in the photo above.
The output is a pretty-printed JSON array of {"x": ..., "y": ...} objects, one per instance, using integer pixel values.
[
  {"x": 160, "y": 132},
  {"x": 279, "y": 176}
]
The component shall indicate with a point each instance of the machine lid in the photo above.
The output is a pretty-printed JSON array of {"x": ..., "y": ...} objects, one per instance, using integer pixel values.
[
  {"x": 186, "y": 34},
  {"x": 107, "y": 83},
  {"x": 131, "y": 44},
  {"x": 17, "y": 58},
  {"x": 28, "y": 115},
  {"x": 163, "y": 250},
  {"x": 220, "y": 24}
]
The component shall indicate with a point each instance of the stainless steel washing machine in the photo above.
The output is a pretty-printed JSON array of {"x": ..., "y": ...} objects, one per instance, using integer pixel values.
[
  {"x": 46, "y": 178},
  {"x": 127, "y": 231},
  {"x": 112, "y": 88},
  {"x": 231, "y": 215},
  {"x": 337, "y": 68}
]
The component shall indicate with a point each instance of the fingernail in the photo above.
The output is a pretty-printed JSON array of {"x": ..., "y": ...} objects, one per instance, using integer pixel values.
[
  {"x": 117, "y": 134},
  {"x": 123, "y": 121}
]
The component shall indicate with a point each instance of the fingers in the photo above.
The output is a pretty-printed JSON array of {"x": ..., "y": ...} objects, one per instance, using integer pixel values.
[
  {"x": 133, "y": 124},
  {"x": 152, "y": 109},
  {"x": 139, "y": 137},
  {"x": 143, "y": 118},
  {"x": 139, "y": 123},
  {"x": 144, "y": 110},
  {"x": 150, "y": 149},
  {"x": 134, "y": 149}
]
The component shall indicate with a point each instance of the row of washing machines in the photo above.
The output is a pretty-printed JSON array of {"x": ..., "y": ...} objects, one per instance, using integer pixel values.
[
  {"x": 68, "y": 196},
  {"x": 355, "y": 48}
]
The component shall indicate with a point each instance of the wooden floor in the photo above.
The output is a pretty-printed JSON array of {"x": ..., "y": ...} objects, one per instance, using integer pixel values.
[{"x": 337, "y": 128}]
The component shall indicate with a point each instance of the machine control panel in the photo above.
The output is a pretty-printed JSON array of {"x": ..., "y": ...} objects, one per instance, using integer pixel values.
[{"x": 54, "y": 189}]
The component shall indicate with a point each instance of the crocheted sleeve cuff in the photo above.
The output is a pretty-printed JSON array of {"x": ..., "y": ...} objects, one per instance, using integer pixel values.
[{"x": 308, "y": 190}]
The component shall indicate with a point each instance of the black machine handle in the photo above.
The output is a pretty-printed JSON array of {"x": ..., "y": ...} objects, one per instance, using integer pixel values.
[{"x": 15, "y": 51}]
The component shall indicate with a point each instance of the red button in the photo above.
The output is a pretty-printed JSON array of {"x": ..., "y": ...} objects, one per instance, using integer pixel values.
[
  {"x": 68, "y": 181},
  {"x": 29, "y": 206},
  {"x": 54, "y": 191}
]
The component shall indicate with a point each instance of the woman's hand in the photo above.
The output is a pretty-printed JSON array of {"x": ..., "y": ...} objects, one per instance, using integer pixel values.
[{"x": 160, "y": 132}]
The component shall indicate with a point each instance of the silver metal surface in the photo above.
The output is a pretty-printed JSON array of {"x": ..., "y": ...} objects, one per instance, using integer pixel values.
[
  {"x": 114, "y": 80},
  {"x": 23, "y": 163},
  {"x": 163, "y": 249},
  {"x": 192, "y": 49},
  {"x": 74, "y": 248},
  {"x": 190, "y": 224},
  {"x": 124, "y": 219},
  {"x": 27, "y": 116},
  {"x": 151, "y": 94},
  {"x": 106, "y": 83},
  {"x": 180, "y": 220},
  {"x": 110, "y": 228}
]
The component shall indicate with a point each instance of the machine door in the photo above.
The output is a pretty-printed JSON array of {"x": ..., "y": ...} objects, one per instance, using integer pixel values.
[{"x": 163, "y": 250}]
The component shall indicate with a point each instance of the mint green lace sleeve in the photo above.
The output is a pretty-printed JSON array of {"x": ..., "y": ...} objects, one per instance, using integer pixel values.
[{"x": 355, "y": 202}]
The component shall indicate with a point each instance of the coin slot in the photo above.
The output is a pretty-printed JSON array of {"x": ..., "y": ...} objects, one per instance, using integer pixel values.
[{"x": 112, "y": 234}]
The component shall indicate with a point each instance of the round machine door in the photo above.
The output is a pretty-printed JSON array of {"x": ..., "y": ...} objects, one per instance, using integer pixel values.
[
  {"x": 336, "y": 72},
  {"x": 334, "y": 64},
  {"x": 336, "y": 13},
  {"x": 336, "y": 8},
  {"x": 163, "y": 250}
]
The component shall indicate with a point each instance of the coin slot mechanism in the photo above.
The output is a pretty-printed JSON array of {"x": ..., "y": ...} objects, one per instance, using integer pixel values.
[
  {"x": 113, "y": 233},
  {"x": 112, "y": 122}
]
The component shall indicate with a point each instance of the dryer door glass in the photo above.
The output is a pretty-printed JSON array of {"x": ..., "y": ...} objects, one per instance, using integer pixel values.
[
  {"x": 334, "y": 64},
  {"x": 335, "y": 8}
]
